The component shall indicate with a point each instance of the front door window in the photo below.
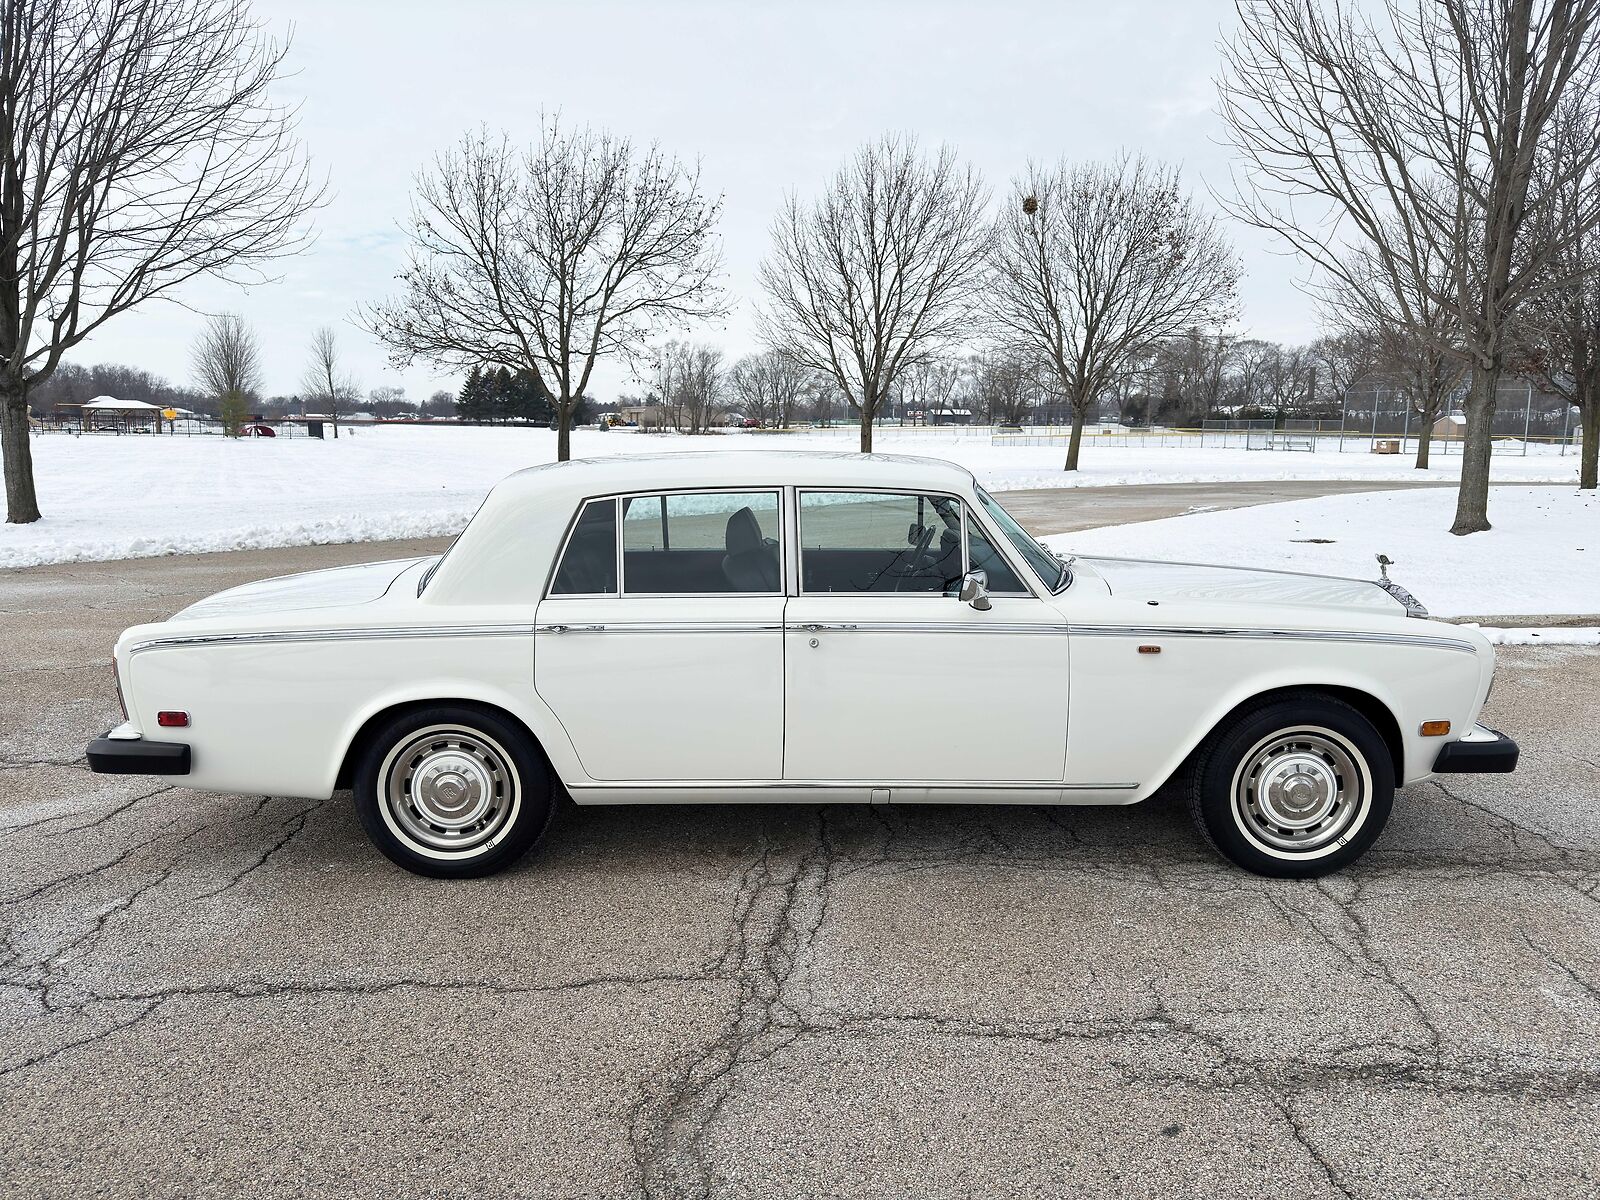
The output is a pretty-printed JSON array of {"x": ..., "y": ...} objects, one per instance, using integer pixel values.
[{"x": 880, "y": 542}]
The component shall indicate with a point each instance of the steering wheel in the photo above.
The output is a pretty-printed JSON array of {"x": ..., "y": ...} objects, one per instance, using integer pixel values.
[{"x": 916, "y": 559}]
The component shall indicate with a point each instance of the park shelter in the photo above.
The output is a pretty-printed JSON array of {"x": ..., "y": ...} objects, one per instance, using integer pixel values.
[
  {"x": 1451, "y": 427},
  {"x": 108, "y": 412}
]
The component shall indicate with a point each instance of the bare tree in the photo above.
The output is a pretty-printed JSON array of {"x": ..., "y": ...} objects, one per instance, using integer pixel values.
[
  {"x": 768, "y": 386},
  {"x": 227, "y": 367},
  {"x": 1094, "y": 264},
  {"x": 551, "y": 259},
  {"x": 324, "y": 382},
  {"x": 138, "y": 149},
  {"x": 931, "y": 384},
  {"x": 687, "y": 379},
  {"x": 880, "y": 272},
  {"x": 1560, "y": 337},
  {"x": 1383, "y": 317},
  {"x": 1006, "y": 384},
  {"x": 1413, "y": 141}
]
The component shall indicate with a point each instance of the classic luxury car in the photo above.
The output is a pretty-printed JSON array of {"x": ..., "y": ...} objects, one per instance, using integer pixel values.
[{"x": 818, "y": 627}]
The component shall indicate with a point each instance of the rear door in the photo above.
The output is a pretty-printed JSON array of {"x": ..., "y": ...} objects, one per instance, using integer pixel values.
[
  {"x": 659, "y": 644},
  {"x": 891, "y": 679}
]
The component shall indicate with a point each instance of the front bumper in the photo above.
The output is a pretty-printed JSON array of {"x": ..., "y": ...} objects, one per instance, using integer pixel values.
[
  {"x": 1480, "y": 750},
  {"x": 134, "y": 756}
]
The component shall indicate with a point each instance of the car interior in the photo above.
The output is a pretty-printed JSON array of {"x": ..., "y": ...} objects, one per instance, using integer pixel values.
[{"x": 852, "y": 549}]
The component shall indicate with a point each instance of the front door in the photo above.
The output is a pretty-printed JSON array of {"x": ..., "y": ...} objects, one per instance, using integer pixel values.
[
  {"x": 660, "y": 645},
  {"x": 893, "y": 680}
]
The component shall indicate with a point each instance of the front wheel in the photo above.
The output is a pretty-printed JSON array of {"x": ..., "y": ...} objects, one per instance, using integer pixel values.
[
  {"x": 452, "y": 792},
  {"x": 1295, "y": 789}
]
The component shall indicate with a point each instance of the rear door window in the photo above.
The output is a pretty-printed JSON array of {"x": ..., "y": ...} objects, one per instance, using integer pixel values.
[{"x": 701, "y": 543}]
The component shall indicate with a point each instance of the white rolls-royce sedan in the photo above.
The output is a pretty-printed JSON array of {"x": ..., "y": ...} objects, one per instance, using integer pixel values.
[{"x": 780, "y": 627}]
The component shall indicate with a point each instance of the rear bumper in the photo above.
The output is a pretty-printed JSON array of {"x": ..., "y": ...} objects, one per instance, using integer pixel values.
[
  {"x": 135, "y": 756},
  {"x": 1480, "y": 750}
]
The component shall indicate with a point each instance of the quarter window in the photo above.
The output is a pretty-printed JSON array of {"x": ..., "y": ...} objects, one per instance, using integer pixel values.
[
  {"x": 589, "y": 565},
  {"x": 982, "y": 556},
  {"x": 701, "y": 542},
  {"x": 880, "y": 542}
]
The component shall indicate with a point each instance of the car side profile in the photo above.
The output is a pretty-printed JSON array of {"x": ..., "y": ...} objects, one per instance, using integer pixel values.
[{"x": 768, "y": 626}]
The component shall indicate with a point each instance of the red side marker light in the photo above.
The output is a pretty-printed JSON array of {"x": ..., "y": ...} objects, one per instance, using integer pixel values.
[
  {"x": 1149, "y": 649},
  {"x": 172, "y": 720}
]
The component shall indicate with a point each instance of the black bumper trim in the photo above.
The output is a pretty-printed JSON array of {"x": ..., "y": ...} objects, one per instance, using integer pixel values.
[
  {"x": 1498, "y": 757},
  {"x": 118, "y": 756}
]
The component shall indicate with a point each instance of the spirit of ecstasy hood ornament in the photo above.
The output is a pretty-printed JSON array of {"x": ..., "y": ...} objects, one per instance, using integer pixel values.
[{"x": 1413, "y": 608}]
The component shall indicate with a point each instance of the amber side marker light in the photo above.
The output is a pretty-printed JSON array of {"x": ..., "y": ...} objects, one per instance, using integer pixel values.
[
  {"x": 1435, "y": 728},
  {"x": 172, "y": 720},
  {"x": 1149, "y": 649}
]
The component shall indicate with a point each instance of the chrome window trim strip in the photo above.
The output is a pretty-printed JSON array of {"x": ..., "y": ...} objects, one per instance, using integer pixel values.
[
  {"x": 925, "y": 627},
  {"x": 1302, "y": 635},
  {"x": 661, "y": 627},
  {"x": 330, "y": 635}
]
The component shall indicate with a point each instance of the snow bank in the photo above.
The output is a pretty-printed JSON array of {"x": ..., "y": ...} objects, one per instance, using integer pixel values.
[
  {"x": 1541, "y": 558},
  {"x": 127, "y": 497}
]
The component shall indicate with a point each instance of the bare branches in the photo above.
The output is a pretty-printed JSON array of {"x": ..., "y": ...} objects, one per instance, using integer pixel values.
[
  {"x": 550, "y": 259},
  {"x": 1397, "y": 156},
  {"x": 324, "y": 383},
  {"x": 1093, "y": 264},
  {"x": 767, "y": 386},
  {"x": 879, "y": 272},
  {"x": 227, "y": 366},
  {"x": 139, "y": 148}
]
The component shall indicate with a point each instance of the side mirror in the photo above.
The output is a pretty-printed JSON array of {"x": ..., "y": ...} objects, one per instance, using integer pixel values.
[{"x": 975, "y": 590}]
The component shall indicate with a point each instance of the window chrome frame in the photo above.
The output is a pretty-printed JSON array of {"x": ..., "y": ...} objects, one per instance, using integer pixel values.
[
  {"x": 1002, "y": 545},
  {"x": 617, "y": 498}
]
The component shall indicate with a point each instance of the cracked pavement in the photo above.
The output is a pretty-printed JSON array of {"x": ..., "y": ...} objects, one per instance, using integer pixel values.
[{"x": 209, "y": 995}]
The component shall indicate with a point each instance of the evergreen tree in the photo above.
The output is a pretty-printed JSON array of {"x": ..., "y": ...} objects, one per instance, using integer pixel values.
[{"x": 473, "y": 404}]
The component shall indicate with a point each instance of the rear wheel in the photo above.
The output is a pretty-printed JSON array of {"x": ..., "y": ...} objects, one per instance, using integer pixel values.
[
  {"x": 452, "y": 791},
  {"x": 1295, "y": 789}
]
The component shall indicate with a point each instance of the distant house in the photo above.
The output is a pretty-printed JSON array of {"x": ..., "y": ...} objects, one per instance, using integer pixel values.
[{"x": 645, "y": 416}]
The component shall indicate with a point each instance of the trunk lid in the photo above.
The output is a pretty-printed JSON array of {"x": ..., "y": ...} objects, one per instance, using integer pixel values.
[{"x": 336, "y": 587}]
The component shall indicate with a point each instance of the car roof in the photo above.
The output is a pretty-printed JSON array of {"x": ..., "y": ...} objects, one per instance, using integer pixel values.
[
  {"x": 738, "y": 468},
  {"x": 503, "y": 554}
]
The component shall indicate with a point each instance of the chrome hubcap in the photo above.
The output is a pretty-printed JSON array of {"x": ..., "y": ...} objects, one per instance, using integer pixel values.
[
  {"x": 450, "y": 790},
  {"x": 1301, "y": 791}
]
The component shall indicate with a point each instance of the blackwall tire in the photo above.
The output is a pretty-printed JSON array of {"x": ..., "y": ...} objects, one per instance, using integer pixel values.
[
  {"x": 1294, "y": 789},
  {"x": 452, "y": 791}
]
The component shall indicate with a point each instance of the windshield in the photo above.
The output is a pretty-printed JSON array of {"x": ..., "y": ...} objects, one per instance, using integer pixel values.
[{"x": 1045, "y": 565}]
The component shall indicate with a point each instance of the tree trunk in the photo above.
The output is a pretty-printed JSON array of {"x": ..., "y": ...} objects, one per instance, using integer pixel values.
[
  {"x": 1472, "y": 501},
  {"x": 1424, "y": 440},
  {"x": 1588, "y": 456},
  {"x": 868, "y": 412},
  {"x": 1076, "y": 441},
  {"x": 22, "y": 502},
  {"x": 564, "y": 429}
]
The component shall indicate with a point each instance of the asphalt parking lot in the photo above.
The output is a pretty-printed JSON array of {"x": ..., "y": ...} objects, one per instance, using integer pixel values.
[{"x": 204, "y": 995}]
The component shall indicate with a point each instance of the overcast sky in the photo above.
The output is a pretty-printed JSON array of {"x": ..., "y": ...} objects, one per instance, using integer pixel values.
[{"x": 768, "y": 97}]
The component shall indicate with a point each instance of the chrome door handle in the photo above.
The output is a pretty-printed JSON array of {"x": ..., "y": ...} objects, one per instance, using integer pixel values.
[
  {"x": 813, "y": 627},
  {"x": 571, "y": 629}
]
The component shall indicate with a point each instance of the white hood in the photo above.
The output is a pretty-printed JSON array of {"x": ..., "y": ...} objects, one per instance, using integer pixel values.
[
  {"x": 334, "y": 588},
  {"x": 1136, "y": 579}
]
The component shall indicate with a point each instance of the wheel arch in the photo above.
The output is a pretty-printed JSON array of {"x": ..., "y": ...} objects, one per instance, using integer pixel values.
[
  {"x": 357, "y": 743},
  {"x": 1369, "y": 706}
]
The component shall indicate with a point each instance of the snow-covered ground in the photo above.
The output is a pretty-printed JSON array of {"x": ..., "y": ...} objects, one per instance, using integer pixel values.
[
  {"x": 1541, "y": 557},
  {"x": 127, "y": 497}
]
